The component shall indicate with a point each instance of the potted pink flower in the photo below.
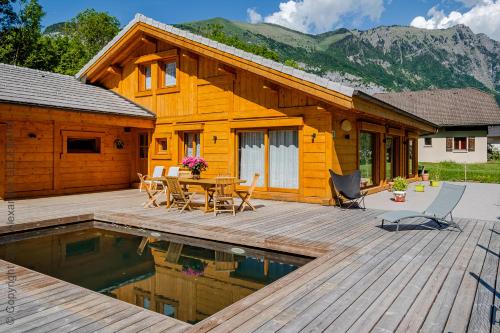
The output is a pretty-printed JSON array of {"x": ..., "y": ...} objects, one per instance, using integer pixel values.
[{"x": 195, "y": 164}]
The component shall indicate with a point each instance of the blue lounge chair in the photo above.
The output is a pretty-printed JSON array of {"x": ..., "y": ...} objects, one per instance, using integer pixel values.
[{"x": 447, "y": 199}]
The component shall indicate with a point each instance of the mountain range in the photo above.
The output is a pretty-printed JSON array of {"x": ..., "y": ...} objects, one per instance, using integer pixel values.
[{"x": 392, "y": 58}]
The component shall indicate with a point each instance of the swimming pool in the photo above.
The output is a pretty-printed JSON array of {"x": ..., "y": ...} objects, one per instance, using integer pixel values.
[{"x": 185, "y": 278}]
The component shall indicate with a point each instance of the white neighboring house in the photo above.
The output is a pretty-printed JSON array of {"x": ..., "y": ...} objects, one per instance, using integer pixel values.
[{"x": 468, "y": 120}]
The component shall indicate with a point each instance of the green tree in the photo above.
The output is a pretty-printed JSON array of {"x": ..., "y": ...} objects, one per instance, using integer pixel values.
[
  {"x": 21, "y": 32},
  {"x": 84, "y": 36},
  {"x": 7, "y": 15}
]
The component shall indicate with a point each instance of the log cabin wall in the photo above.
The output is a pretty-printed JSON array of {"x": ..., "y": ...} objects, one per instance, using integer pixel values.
[
  {"x": 36, "y": 159},
  {"x": 218, "y": 101}
]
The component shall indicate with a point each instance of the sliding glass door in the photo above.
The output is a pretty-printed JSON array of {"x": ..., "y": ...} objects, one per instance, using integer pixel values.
[
  {"x": 367, "y": 158},
  {"x": 274, "y": 154}
]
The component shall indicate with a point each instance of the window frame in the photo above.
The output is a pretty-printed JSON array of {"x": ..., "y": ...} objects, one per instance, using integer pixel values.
[
  {"x": 162, "y": 88},
  {"x": 425, "y": 143},
  {"x": 83, "y": 135},
  {"x": 266, "y": 187},
  {"x": 182, "y": 144},
  {"x": 141, "y": 82},
  {"x": 159, "y": 153}
]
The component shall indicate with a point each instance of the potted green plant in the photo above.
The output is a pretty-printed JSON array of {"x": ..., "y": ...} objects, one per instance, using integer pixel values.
[
  {"x": 399, "y": 189},
  {"x": 420, "y": 187},
  {"x": 436, "y": 177},
  {"x": 425, "y": 174}
]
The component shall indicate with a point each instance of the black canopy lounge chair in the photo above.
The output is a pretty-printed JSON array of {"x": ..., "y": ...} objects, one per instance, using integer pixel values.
[
  {"x": 447, "y": 199},
  {"x": 347, "y": 189}
]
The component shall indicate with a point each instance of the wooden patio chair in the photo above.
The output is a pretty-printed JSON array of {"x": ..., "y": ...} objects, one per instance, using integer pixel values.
[
  {"x": 180, "y": 198},
  {"x": 153, "y": 193},
  {"x": 246, "y": 194},
  {"x": 173, "y": 171},
  {"x": 223, "y": 195},
  {"x": 157, "y": 172}
]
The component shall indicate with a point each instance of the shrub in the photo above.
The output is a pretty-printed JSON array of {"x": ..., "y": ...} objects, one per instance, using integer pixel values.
[{"x": 400, "y": 184}]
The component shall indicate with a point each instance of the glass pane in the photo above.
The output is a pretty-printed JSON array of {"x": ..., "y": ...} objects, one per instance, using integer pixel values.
[
  {"x": 146, "y": 303},
  {"x": 192, "y": 144},
  {"x": 143, "y": 146},
  {"x": 170, "y": 74},
  {"x": 169, "y": 310},
  {"x": 460, "y": 144},
  {"x": 188, "y": 143},
  {"x": 251, "y": 156},
  {"x": 147, "y": 77},
  {"x": 411, "y": 152},
  {"x": 284, "y": 159},
  {"x": 197, "y": 144},
  {"x": 366, "y": 157},
  {"x": 389, "y": 158}
]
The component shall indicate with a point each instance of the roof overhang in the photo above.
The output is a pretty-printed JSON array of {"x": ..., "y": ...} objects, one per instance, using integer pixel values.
[{"x": 398, "y": 115}]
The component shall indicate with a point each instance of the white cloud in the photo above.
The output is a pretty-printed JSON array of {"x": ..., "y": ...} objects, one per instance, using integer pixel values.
[
  {"x": 482, "y": 17},
  {"x": 470, "y": 3},
  {"x": 317, "y": 16},
  {"x": 253, "y": 16}
]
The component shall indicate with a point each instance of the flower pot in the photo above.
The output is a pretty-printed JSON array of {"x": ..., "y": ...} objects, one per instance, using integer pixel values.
[
  {"x": 196, "y": 174},
  {"x": 435, "y": 183},
  {"x": 425, "y": 177},
  {"x": 420, "y": 188},
  {"x": 399, "y": 196}
]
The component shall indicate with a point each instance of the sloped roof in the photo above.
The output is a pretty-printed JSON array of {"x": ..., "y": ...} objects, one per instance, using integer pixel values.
[
  {"x": 300, "y": 74},
  {"x": 447, "y": 107},
  {"x": 22, "y": 85}
]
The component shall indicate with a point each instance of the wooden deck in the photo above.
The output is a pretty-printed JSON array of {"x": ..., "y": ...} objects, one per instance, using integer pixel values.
[{"x": 364, "y": 279}]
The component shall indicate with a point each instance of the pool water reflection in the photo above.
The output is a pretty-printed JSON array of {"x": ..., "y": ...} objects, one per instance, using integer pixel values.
[{"x": 184, "y": 278}]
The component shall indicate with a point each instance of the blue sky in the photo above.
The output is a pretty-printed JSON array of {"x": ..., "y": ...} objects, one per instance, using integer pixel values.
[{"x": 312, "y": 16}]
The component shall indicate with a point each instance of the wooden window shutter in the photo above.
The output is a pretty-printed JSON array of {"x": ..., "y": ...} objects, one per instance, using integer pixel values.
[
  {"x": 471, "y": 146},
  {"x": 449, "y": 144}
]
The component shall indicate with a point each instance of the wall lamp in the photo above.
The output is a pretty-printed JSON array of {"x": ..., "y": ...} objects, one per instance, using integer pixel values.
[
  {"x": 313, "y": 136},
  {"x": 215, "y": 139}
]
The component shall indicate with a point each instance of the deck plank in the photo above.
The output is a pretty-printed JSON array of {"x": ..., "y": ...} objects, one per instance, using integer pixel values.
[{"x": 365, "y": 278}]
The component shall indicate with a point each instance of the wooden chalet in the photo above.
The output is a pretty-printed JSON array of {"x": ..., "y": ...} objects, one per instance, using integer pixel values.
[
  {"x": 241, "y": 112},
  {"x": 59, "y": 135}
]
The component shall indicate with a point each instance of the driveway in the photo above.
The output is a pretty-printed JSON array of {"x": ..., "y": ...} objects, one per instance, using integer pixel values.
[{"x": 480, "y": 201}]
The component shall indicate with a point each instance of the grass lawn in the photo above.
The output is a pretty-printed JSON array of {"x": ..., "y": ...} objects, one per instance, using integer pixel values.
[{"x": 476, "y": 172}]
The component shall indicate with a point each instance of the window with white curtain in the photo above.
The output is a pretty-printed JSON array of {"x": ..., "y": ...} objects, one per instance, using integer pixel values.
[
  {"x": 281, "y": 150},
  {"x": 252, "y": 156},
  {"x": 284, "y": 159}
]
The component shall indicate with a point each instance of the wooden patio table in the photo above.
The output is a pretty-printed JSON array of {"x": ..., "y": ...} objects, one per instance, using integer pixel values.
[{"x": 205, "y": 183}]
